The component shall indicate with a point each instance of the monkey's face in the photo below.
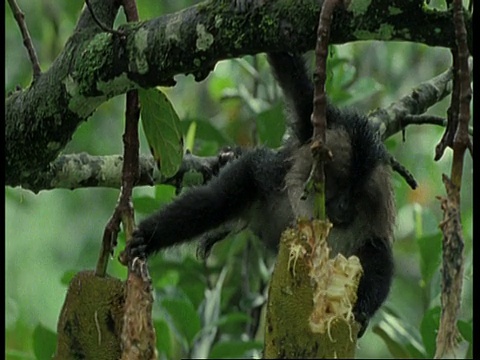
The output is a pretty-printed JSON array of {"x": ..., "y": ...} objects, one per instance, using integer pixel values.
[{"x": 340, "y": 189}]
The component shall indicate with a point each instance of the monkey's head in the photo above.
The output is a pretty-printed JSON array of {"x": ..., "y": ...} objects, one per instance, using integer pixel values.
[
  {"x": 339, "y": 182},
  {"x": 357, "y": 178}
]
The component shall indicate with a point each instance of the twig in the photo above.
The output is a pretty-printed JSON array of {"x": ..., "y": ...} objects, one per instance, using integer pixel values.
[
  {"x": 452, "y": 113},
  {"x": 403, "y": 171},
  {"x": 100, "y": 24},
  {"x": 27, "y": 40},
  {"x": 424, "y": 95},
  {"x": 427, "y": 119}
]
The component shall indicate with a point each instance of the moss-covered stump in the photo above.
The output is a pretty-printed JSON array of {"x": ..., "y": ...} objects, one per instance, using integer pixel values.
[
  {"x": 91, "y": 319},
  {"x": 311, "y": 297}
]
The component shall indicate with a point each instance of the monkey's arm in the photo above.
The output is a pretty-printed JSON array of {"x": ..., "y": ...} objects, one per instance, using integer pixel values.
[
  {"x": 377, "y": 262},
  {"x": 202, "y": 208}
]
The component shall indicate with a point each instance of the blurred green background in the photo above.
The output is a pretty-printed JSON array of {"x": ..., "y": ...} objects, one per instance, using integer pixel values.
[{"x": 53, "y": 234}]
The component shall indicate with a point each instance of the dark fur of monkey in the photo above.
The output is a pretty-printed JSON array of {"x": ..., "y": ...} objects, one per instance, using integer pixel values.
[{"x": 262, "y": 189}]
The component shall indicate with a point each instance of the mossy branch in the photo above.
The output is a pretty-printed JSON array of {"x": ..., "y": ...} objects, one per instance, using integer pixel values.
[{"x": 95, "y": 66}]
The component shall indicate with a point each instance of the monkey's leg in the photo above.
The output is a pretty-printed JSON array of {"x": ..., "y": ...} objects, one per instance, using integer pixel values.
[
  {"x": 202, "y": 208},
  {"x": 377, "y": 262},
  {"x": 291, "y": 74}
]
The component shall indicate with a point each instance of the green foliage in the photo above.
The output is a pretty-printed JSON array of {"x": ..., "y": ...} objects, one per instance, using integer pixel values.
[
  {"x": 144, "y": 204},
  {"x": 44, "y": 342},
  {"x": 417, "y": 339},
  {"x": 430, "y": 253},
  {"x": 164, "y": 338},
  {"x": 428, "y": 329},
  {"x": 161, "y": 126},
  {"x": 232, "y": 349},
  {"x": 401, "y": 338},
  {"x": 343, "y": 83},
  {"x": 208, "y": 139},
  {"x": 270, "y": 126},
  {"x": 183, "y": 317},
  {"x": 466, "y": 331},
  {"x": 68, "y": 276}
]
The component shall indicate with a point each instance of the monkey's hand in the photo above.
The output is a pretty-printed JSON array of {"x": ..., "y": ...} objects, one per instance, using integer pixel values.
[{"x": 137, "y": 247}]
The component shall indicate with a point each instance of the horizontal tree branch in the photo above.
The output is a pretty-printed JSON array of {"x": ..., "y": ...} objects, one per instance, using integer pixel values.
[
  {"x": 95, "y": 66},
  {"x": 423, "y": 96},
  {"x": 84, "y": 170},
  {"x": 428, "y": 119},
  {"x": 389, "y": 120}
]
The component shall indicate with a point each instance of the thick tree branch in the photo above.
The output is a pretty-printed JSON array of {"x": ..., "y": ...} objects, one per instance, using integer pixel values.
[
  {"x": 95, "y": 66},
  {"x": 83, "y": 170},
  {"x": 41, "y": 120}
]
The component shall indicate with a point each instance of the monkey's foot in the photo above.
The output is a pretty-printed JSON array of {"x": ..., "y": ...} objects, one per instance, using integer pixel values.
[{"x": 362, "y": 319}]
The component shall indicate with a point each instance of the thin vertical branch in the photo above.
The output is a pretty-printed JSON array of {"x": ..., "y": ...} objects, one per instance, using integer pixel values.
[
  {"x": 320, "y": 153},
  {"x": 453, "y": 244},
  {"x": 123, "y": 212},
  {"x": 130, "y": 9},
  {"x": 138, "y": 333},
  {"x": 27, "y": 40},
  {"x": 319, "y": 118},
  {"x": 130, "y": 171}
]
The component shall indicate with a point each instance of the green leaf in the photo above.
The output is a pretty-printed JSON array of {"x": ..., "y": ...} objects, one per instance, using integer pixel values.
[
  {"x": 206, "y": 131},
  {"x": 218, "y": 83},
  {"x": 68, "y": 276},
  {"x": 234, "y": 349},
  {"x": 430, "y": 255},
  {"x": 402, "y": 339},
  {"x": 145, "y": 204},
  {"x": 164, "y": 338},
  {"x": 190, "y": 138},
  {"x": 396, "y": 348},
  {"x": 271, "y": 126},
  {"x": 184, "y": 317},
  {"x": 429, "y": 328},
  {"x": 44, "y": 342},
  {"x": 466, "y": 330},
  {"x": 168, "y": 278},
  {"x": 161, "y": 125},
  {"x": 233, "y": 318},
  {"x": 164, "y": 193}
]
